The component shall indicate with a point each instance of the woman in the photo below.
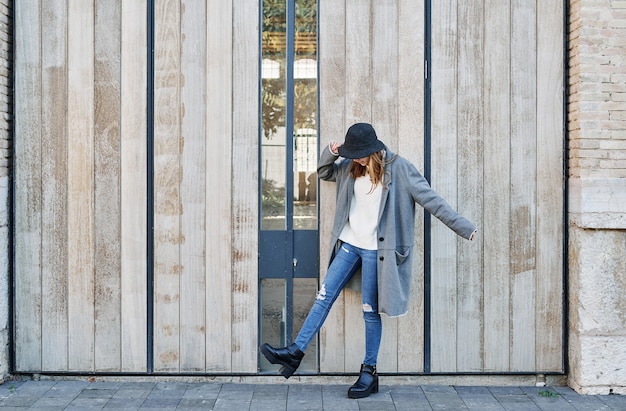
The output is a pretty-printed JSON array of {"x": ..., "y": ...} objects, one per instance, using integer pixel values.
[{"x": 372, "y": 232}]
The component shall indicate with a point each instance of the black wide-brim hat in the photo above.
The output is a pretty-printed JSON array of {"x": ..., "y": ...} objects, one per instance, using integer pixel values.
[{"x": 360, "y": 142}]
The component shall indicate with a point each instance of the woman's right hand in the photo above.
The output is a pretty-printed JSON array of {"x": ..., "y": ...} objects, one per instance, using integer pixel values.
[{"x": 334, "y": 147}]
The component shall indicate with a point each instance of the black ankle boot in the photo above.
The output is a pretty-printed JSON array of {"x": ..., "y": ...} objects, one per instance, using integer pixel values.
[
  {"x": 288, "y": 357},
  {"x": 366, "y": 384}
]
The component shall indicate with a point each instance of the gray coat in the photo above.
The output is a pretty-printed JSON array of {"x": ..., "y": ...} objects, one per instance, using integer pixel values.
[{"x": 405, "y": 186}]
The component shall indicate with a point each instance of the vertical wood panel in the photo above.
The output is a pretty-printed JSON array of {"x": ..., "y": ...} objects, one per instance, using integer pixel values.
[
  {"x": 384, "y": 118},
  {"x": 496, "y": 171},
  {"x": 193, "y": 186},
  {"x": 133, "y": 189},
  {"x": 245, "y": 183},
  {"x": 28, "y": 199},
  {"x": 85, "y": 107},
  {"x": 358, "y": 109},
  {"x": 411, "y": 146},
  {"x": 80, "y": 174},
  {"x": 523, "y": 185},
  {"x": 167, "y": 176},
  {"x": 444, "y": 180},
  {"x": 218, "y": 199},
  {"x": 107, "y": 188},
  {"x": 54, "y": 337},
  {"x": 332, "y": 61},
  {"x": 470, "y": 177},
  {"x": 549, "y": 320}
]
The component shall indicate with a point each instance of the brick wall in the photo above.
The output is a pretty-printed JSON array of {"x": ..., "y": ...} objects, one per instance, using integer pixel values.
[
  {"x": 597, "y": 104},
  {"x": 597, "y": 196},
  {"x": 6, "y": 117},
  {"x": 6, "y": 109}
]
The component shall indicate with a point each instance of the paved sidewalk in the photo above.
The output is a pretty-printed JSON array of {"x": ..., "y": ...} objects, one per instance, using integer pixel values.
[{"x": 84, "y": 395}]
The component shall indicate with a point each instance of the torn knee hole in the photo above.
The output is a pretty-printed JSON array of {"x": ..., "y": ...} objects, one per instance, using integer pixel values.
[
  {"x": 321, "y": 294},
  {"x": 367, "y": 308}
]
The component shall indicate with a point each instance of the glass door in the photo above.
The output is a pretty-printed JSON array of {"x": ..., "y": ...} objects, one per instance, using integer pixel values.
[{"x": 288, "y": 232}]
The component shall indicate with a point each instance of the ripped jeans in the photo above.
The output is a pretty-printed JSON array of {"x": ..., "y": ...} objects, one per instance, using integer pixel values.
[{"x": 346, "y": 262}]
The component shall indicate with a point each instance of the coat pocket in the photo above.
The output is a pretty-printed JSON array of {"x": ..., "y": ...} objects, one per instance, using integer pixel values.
[{"x": 402, "y": 253}]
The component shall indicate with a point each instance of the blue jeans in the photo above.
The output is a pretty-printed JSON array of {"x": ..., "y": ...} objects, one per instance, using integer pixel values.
[{"x": 347, "y": 261}]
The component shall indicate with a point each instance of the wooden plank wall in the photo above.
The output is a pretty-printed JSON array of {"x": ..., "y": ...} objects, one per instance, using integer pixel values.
[
  {"x": 497, "y": 110},
  {"x": 364, "y": 76},
  {"x": 80, "y": 151},
  {"x": 81, "y": 173},
  {"x": 81, "y": 194},
  {"x": 496, "y": 147},
  {"x": 206, "y": 156}
]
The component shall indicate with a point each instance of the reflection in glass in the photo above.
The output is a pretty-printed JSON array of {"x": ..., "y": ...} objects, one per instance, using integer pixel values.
[
  {"x": 288, "y": 167},
  {"x": 305, "y": 116},
  {"x": 273, "y": 112},
  {"x": 304, "y": 292},
  {"x": 302, "y": 137},
  {"x": 273, "y": 317}
]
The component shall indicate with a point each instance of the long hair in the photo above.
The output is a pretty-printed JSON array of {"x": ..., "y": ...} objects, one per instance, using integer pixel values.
[{"x": 375, "y": 166}]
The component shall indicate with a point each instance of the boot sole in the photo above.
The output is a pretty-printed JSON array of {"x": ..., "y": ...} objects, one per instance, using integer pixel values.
[
  {"x": 286, "y": 370},
  {"x": 363, "y": 394}
]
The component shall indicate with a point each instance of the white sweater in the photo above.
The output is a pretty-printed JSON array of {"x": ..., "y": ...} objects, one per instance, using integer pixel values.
[{"x": 360, "y": 230}]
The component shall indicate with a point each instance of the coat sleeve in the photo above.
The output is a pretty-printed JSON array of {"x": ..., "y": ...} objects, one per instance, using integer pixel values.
[
  {"x": 432, "y": 202},
  {"x": 326, "y": 167}
]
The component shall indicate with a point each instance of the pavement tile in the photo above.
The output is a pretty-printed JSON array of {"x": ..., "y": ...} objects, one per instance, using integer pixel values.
[
  {"x": 519, "y": 402},
  {"x": 52, "y": 402},
  {"x": 97, "y": 393},
  {"x": 108, "y": 385},
  {"x": 160, "y": 402},
  {"x": 506, "y": 390},
  {"x": 10, "y": 386},
  {"x": 35, "y": 387},
  {"x": 266, "y": 404},
  {"x": 375, "y": 405},
  {"x": 409, "y": 398},
  {"x": 573, "y": 398},
  {"x": 565, "y": 391},
  {"x": 19, "y": 400},
  {"x": 231, "y": 405},
  {"x": 69, "y": 386},
  {"x": 270, "y": 392},
  {"x": 446, "y": 402},
  {"x": 590, "y": 404},
  {"x": 304, "y": 397},
  {"x": 546, "y": 398},
  {"x": 140, "y": 385},
  {"x": 418, "y": 406},
  {"x": 438, "y": 389},
  {"x": 302, "y": 404},
  {"x": 166, "y": 394},
  {"x": 302, "y": 389},
  {"x": 172, "y": 386},
  {"x": 124, "y": 403},
  {"x": 203, "y": 403},
  {"x": 203, "y": 392},
  {"x": 237, "y": 392},
  {"x": 478, "y": 398},
  {"x": 616, "y": 402},
  {"x": 89, "y": 402},
  {"x": 335, "y": 397},
  {"x": 443, "y": 397},
  {"x": 469, "y": 390},
  {"x": 131, "y": 394},
  {"x": 81, "y": 395}
]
